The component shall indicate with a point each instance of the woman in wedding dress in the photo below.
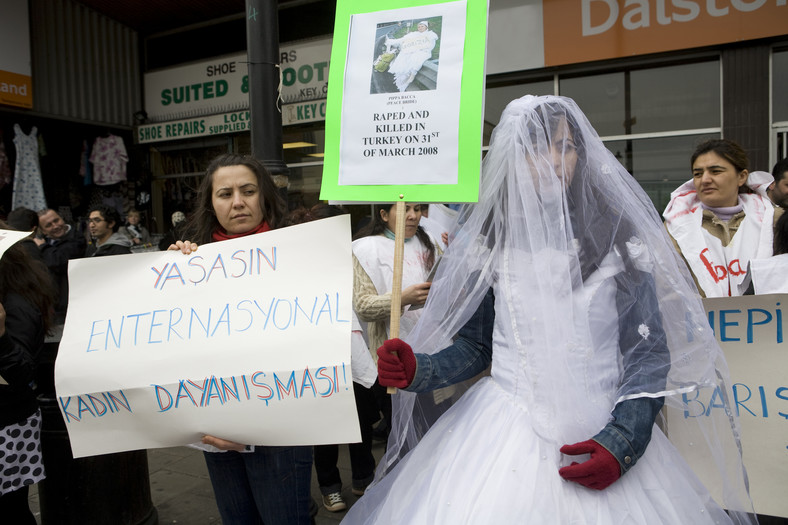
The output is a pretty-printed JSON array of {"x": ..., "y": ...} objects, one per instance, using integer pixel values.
[
  {"x": 564, "y": 280},
  {"x": 415, "y": 48}
]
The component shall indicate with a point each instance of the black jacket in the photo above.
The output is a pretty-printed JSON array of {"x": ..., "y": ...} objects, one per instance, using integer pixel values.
[
  {"x": 19, "y": 347},
  {"x": 56, "y": 253}
]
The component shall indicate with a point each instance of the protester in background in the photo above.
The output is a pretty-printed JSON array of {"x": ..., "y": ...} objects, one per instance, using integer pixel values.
[
  {"x": 26, "y": 301},
  {"x": 26, "y": 220},
  {"x": 136, "y": 232},
  {"x": 721, "y": 218},
  {"x": 373, "y": 270},
  {"x": 562, "y": 277},
  {"x": 23, "y": 219},
  {"x": 770, "y": 275},
  {"x": 252, "y": 484},
  {"x": 778, "y": 191},
  {"x": 59, "y": 242},
  {"x": 362, "y": 462},
  {"x": 104, "y": 223},
  {"x": 178, "y": 219},
  {"x": 373, "y": 259},
  {"x": 781, "y": 235}
]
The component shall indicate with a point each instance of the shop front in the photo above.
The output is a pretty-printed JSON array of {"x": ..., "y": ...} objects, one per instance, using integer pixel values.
[
  {"x": 199, "y": 110},
  {"x": 62, "y": 108},
  {"x": 655, "y": 79}
]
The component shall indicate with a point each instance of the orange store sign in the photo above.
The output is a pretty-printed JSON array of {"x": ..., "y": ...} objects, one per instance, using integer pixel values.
[
  {"x": 15, "y": 89},
  {"x": 586, "y": 30}
]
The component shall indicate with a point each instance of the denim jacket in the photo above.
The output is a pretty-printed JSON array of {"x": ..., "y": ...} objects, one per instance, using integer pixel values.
[{"x": 629, "y": 430}]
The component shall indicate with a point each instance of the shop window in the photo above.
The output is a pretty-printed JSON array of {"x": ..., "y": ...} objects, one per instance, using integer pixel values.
[
  {"x": 662, "y": 99},
  {"x": 781, "y": 147},
  {"x": 177, "y": 171},
  {"x": 779, "y": 105},
  {"x": 659, "y": 165},
  {"x": 496, "y": 99},
  {"x": 652, "y": 119},
  {"x": 303, "y": 150},
  {"x": 779, "y": 87},
  {"x": 680, "y": 97},
  {"x": 602, "y": 98}
]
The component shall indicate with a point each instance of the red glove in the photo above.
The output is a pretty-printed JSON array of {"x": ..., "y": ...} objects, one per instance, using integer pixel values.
[
  {"x": 597, "y": 473},
  {"x": 396, "y": 364}
]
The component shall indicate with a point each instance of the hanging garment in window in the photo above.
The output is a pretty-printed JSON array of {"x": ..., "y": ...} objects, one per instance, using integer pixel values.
[
  {"x": 109, "y": 160},
  {"x": 28, "y": 189}
]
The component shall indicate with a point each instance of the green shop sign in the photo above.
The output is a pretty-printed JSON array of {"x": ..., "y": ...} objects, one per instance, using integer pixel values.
[{"x": 235, "y": 122}]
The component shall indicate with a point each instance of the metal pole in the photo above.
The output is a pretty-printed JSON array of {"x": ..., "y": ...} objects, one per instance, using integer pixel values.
[{"x": 262, "y": 47}]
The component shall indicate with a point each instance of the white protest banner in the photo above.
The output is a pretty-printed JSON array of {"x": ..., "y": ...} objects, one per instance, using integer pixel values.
[
  {"x": 246, "y": 339},
  {"x": 440, "y": 219},
  {"x": 10, "y": 237},
  {"x": 751, "y": 331}
]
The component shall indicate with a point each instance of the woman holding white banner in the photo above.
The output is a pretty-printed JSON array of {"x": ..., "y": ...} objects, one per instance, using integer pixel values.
[
  {"x": 721, "y": 218},
  {"x": 26, "y": 300},
  {"x": 252, "y": 484},
  {"x": 563, "y": 278}
]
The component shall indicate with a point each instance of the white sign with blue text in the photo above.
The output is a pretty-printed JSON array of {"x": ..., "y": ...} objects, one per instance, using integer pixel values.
[
  {"x": 751, "y": 330},
  {"x": 246, "y": 339}
]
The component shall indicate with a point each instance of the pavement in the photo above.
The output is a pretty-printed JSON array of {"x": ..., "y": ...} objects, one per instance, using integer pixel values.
[{"x": 181, "y": 490}]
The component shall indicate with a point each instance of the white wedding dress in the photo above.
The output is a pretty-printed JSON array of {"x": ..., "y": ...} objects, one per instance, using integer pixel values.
[{"x": 494, "y": 456}]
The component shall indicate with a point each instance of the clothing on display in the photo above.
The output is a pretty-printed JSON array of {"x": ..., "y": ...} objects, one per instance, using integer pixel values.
[
  {"x": 109, "y": 160},
  {"x": 5, "y": 166},
  {"x": 28, "y": 188}
]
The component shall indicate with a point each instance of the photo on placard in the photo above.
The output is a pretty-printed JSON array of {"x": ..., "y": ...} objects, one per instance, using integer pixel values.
[{"x": 406, "y": 55}]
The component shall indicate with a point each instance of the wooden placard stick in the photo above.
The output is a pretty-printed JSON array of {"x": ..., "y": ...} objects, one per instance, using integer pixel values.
[{"x": 396, "y": 282}]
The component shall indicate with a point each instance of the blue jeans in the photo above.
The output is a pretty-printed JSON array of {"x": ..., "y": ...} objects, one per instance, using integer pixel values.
[{"x": 269, "y": 486}]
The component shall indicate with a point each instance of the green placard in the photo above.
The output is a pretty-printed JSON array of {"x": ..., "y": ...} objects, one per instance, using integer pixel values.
[{"x": 471, "y": 105}]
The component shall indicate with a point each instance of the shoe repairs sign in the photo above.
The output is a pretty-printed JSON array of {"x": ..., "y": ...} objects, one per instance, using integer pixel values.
[
  {"x": 234, "y": 122},
  {"x": 246, "y": 339}
]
